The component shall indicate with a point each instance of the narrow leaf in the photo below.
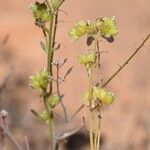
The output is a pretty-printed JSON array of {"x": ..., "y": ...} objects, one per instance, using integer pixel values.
[
  {"x": 57, "y": 47},
  {"x": 43, "y": 46},
  {"x": 64, "y": 61},
  {"x": 35, "y": 113},
  {"x": 68, "y": 72}
]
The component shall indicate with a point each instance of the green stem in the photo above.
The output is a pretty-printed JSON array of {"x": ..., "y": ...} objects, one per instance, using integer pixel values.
[
  {"x": 95, "y": 139},
  {"x": 51, "y": 44},
  {"x": 55, "y": 27},
  {"x": 91, "y": 132},
  {"x": 49, "y": 63},
  {"x": 98, "y": 126},
  {"x": 59, "y": 5},
  {"x": 99, "y": 133},
  {"x": 97, "y": 50},
  {"x": 49, "y": 70},
  {"x": 49, "y": 112},
  {"x": 52, "y": 36},
  {"x": 91, "y": 116}
]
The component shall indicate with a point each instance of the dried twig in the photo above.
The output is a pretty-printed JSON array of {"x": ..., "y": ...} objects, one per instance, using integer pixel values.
[
  {"x": 27, "y": 143},
  {"x": 68, "y": 133},
  {"x": 59, "y": 94},
  {"x": 4, "y": 126},
  {"x": 127, "y": 61}
]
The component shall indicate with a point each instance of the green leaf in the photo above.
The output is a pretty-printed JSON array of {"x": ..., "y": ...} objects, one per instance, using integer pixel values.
[
  {"x": 34, "y": 113},
  {"x": 43, "y": 46}
]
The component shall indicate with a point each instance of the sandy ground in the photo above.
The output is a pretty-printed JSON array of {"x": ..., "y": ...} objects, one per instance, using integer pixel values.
[{"x": 126, "y": 123}]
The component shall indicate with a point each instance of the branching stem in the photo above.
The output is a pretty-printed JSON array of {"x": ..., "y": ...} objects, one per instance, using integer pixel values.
[
  {"x": 50, "y": 45},
  {"x": 59, "y": 95}
]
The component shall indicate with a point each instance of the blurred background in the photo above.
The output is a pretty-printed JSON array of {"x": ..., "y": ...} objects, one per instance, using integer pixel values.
[{"x": 126, "y": 123}]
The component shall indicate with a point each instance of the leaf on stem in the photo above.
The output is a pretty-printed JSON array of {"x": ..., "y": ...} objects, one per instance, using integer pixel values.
[
  {"x": 57, "y": 47},
  {"x": 43, "y": 46},
  {"x": 68, "y": 72},
  {"x": 35, "y": 113}
]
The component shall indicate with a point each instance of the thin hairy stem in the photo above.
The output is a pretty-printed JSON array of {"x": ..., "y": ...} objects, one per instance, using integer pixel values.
[
  {"x": 90, "y": 107},
  {"x": 98, "y": 126},
  {"x": 127, "y": 61},
  {"x": 68, "y": 134},
  {"x": 59, "y": 5},
  {"x": 97, "y": 49},
  {"x": 99, "y": 133},
  {"x": 59, "y": 95},
  {"x": 52, "y": 37},
  {"x": 50, "y": 52},
  {"x": 8, "y": 133},
  {"x": 51, "y": 44},
  {"x": 50, "y": 119},
  {"x": 91, "y": 132}
]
